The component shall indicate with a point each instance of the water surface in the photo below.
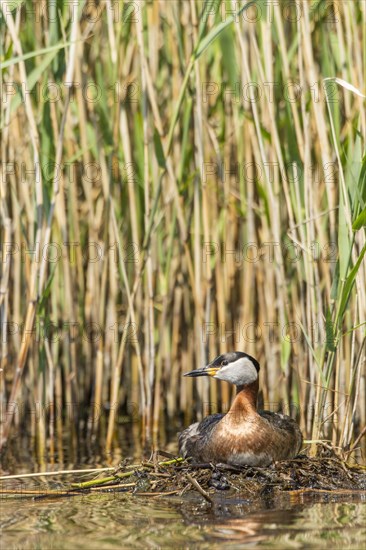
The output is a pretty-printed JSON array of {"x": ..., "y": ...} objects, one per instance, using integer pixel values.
[{"x": 109, "y": 521}]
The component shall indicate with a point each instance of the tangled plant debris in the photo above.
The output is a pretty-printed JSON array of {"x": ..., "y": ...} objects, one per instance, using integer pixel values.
[{"x": 180, "y": 477}]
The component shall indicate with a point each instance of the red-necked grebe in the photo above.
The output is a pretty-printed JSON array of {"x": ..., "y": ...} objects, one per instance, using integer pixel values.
[{"x": 243, "y": 436}]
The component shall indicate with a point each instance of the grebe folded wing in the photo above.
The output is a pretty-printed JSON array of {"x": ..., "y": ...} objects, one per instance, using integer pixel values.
[
  {"x": 285, "y": 423},
  {"x": 197, "y": 435}
]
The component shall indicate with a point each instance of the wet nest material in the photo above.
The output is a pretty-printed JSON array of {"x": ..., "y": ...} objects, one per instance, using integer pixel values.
[
  {"x": 298, "y": 475},
  {"x": 175, "y": 476},
  {"x": 302, "y": 473}
]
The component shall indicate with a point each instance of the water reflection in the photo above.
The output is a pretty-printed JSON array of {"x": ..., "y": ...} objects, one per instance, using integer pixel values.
[
  {"x": 314, "y": 526},
  {"x": 107, "y": 521},
  {"x": 117, "y": 520}
]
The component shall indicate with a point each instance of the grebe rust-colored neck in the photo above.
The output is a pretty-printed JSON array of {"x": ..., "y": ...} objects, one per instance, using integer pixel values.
[{"x": 246, "y": 399}]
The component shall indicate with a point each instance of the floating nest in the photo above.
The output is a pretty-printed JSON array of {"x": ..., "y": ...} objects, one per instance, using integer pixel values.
[
  {"x": 176, "y": 476},
  {"x": 326, "y": 474}
]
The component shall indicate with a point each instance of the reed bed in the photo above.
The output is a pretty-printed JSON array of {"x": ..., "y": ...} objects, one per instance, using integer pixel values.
[{"x": 180, "y": 179}]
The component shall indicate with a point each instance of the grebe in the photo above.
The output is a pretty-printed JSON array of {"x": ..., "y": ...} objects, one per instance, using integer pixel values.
[{"x": 243, "y": 436}]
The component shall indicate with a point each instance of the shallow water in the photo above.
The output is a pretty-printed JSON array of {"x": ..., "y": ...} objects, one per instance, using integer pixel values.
[
  {"x": 109, "y": 521},
  {"x": 118, "y": 520}
]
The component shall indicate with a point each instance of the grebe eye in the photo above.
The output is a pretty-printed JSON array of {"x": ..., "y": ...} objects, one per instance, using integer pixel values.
[{"x": 224, "y": 363}]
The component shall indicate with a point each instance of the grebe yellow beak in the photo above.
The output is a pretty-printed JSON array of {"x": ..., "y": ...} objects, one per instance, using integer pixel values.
[{"x": 209, "y": 370}]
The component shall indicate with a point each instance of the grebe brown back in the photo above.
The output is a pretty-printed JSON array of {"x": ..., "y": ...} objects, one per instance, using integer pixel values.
[{"x": 243, "y": 436}]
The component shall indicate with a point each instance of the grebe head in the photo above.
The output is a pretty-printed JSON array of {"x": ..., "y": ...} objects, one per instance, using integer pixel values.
[{"x": 236, "y": 367}]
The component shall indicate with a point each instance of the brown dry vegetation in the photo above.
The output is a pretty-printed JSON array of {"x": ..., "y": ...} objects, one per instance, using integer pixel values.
[{"x": 181, "y": 141}]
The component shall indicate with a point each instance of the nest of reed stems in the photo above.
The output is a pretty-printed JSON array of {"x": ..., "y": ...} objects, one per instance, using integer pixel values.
[{"x": 325, "y": 475}]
